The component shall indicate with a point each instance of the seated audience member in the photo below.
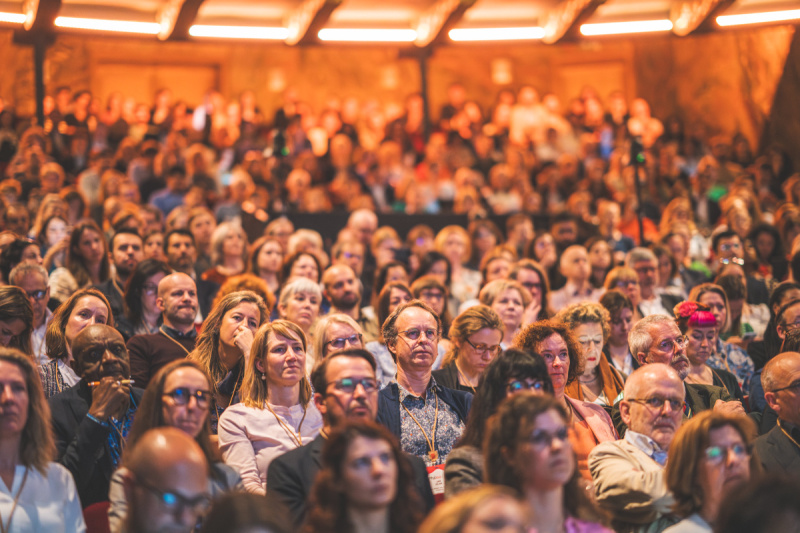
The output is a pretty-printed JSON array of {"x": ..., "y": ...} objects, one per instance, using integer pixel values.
[
  {"x": 710, "y": 458},
  {"x": 240, "y": 512},
  {"x": 346, "y": 389},
  {"x": 84, "y": 308},
  {"x": 276, "y": 412},
  {"x": 778, "y": 449},
  {"x": 228, "y": 252},
  {"x": 575, "y": 268},
  {"x": 426, "y": 418},
  {"x": 335, "y": 332},
  {"x": 365, "y": 484},
  {"x": 590, "y": 423},
  {"x": 246, "y": 282},
  {"x": 727, "y": 248},
  {"x": 302, "y": 264},
  {"x": 626, "y": 280},
  {"x": 453, "y": 243},
  {"x": 126, "y": 252},
  {"x": 433, "y": 292},
  {"x": 178, "y": 396},
  {"x": 746, "y": 322},
  {"x": 391, "y": 297},
  {"x": 142, "y": 314},
  {"x": 511, "y": 372},
  {"x": 761, "y": 351},
  {"x": 699, "y": 326},
  {"x": 92, "y": 419},
  {"x": 628, "y": 474},
  {"x": 16, "y": 319},
  {"x": 509, "y": 300},
  {"x": 165, "y": 482},
  {"x": 343, "y": 290},
  {"x": 33, "y": 280},
  {"x": 475, "y": 335},
  {"x": 616, "y": 350},
  {"x": 533, "y": 277},
  {"x": 300, "y": 302},
  {"x": 87, "y": 262},
  {"x": 266, "y": 258},
  {"x": 16, "y": 253},
  {"x": 528, "y": 449},
  {"x": 175, "y": 337},
  {"x": 181, "y": 255},
  {"x": 223, "y": 346},
  {"x": 644, "y": 262},
  {"x": 45, "y": 498},
  {"x": 766, "y": 505},
  {"x": 600, "y": 383},
  {"x": 482, "y": 508}
]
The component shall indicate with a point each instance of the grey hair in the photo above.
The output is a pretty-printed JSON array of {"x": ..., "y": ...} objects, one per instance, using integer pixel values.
[
  {"x": 639, "y": 254},
  {"x": 639, "y": 339},
  {"x": 389, "y": 329},
  {"x": 296, "y": 285},
  {"x": 23, "y": 269},
  {"x": 320, "y": 331}
]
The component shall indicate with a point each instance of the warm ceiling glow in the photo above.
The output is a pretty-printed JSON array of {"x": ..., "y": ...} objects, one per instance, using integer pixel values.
[
  {"x": 123, "y": 26},
  {"x": 364, "y": 35},
  {"x": 496, "y": 34},
  {"x": 239, "y": 32},
  {"x": 13, "y": 18},
  {"x": 615, "y": 28},
  {"x": 758, "y": 18}
]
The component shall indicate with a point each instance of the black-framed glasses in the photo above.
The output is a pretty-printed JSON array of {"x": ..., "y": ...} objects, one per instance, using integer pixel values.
[
  {"x": 717, "y": 454},
  {"x": 668, "y": 345},
  {"x": 349, "y": 385},
  {"x": 483, "y": 348},
  {"x": 657, "y": 403},
  {"x": 795, "y": 385},
  {"x": 341, "y": 342},
  {"x": 516, "y": 385},
  {"x": 177, "y": 503},
  {"x": 37, "y": 295},
  {"x": 181, "y": 396},
  {"x": 414, "y": 334}
]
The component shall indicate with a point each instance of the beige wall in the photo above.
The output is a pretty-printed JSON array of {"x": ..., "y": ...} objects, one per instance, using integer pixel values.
[{"x": 726, "y": 79}]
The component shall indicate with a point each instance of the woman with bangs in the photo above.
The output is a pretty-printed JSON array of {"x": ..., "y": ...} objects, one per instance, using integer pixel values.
[
  {"x": 509, "y": 300},
  {"x": 228, "y": 252},
  {"x": 276, "y": 414},
  {"x": 626, "y": 280},
  {"x": 453, "y": 242}
]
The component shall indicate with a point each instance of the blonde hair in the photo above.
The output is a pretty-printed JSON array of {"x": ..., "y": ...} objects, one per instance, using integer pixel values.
[
  {"x": 255, "y": 391},
  {"x": 495, "y": 288},
  {"x": 468, "y": 323},
  {"x": 445, "y": 233},
  {"x": 218, "y": 239},
  {"x": 453, "y": 514},
  {"x": 319, "y": 339},
  {"x": 586, "y": 313}
]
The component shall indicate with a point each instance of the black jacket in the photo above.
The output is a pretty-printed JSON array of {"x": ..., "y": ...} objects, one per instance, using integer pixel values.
[
  {"x": 81, "y": 442},
  {"x": 778, "y": 454},
  {"x": 290, "y": 476}
]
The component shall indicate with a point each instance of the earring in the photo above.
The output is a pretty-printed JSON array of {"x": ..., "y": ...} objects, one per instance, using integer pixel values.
[{"x": 263, "y": 376}]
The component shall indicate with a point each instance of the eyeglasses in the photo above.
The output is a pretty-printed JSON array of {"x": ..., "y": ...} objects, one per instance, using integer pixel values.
[
  {"x": 586, "y": 340},
  {"x": 668, "y": 345},
  {"x": 349, "y": 385},
  {"x": 414, "y": 334},
  {"x": 795, "y": 385},
  {"x": 36, "y": 295},
  {"x": 350, "y": 255},
  {"x": 717, "y": 454},
  {"x": 516, "y": 385},
  {"x": 341, "y": 342},
  {"x": 149, "y": 289},
  {"x": 733, "y": 260},
  {"x": 543, "y": 439},
  {"x": 657, "y": 403},
  {"x": 483, "y": 348},
  {"x": 176, "y": 503},
  {"x": 181, "y": 396}
]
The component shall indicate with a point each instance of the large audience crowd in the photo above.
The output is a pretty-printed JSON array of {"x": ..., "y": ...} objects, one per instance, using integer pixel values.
[{"x": 619, "y": 353}]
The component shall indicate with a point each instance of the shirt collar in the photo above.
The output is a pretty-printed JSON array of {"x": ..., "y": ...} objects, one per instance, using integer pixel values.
[
  {"x": 404, "y": 393},
  {"x": 647, "y": 445},
  {"x": 175, "y": 334}
]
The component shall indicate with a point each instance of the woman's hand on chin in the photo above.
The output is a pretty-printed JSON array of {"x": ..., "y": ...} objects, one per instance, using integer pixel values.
[{"x": 243, "y": 339}]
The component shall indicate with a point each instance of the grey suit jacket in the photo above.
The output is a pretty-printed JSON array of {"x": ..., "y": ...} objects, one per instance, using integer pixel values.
[{"x": 777, "y": 453}]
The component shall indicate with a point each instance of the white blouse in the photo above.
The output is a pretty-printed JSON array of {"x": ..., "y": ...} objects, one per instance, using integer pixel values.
[
  {"x": 250, "y": 438},
  {"x": 47, "y": 504}
]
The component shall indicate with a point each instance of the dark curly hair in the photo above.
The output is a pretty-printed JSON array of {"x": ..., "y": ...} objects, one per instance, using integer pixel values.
[{"x": 533, "y": 335}]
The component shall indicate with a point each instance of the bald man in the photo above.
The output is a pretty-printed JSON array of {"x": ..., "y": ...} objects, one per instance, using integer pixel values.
[
  {"x": 628, "y": 474},
  {"x": 166, "y": 483},
  {"x": 343, "y": 290},
  {"x": 574, "y": 266},
  {"x": 779, "y": 450},
  {"x": 175, "y": 337}
]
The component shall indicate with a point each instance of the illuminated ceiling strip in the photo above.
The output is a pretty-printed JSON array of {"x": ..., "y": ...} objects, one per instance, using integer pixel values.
[
  {"x": 367, "y": 35},
  {"x": 13, "y": 18},
  {"x": 239, "y": 32},
  {"x": 758, "y": 18},
  {"x": 616, "y": 28},
  {"x": 121, "y": 26},
  {"x": 496, "y": 34}
]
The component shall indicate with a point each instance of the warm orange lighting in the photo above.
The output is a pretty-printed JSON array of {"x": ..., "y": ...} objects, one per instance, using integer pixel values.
[
  {"x": 496, "y": 34},
  {"x": 121, "y": 26},
  {"x": 239, "y": 32},
  {"x": 758, "y": 18},
  {"x": 617, "y": 28},
  {"x": 367, "y": 35},
  {"x": 12, "y": 18}
]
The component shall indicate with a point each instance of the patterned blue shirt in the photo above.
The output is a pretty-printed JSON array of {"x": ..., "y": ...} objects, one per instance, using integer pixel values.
[{"x": 732, "y": 358}]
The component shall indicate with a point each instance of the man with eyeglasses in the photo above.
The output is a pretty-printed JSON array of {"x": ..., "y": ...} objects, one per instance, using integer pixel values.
[
  {"x": 166, "y": 483},
  {"x": 345, "y": 389},
  {"x": 343, "y": 290},
  {"x": 727, "y": 248},
  {"x": 779, "y": 450},
  {"x": 657, "y": 339},
  {"x": 644, "y": 262},
  {"x": 427, "y": 418},
  {"x": 628, "y": 474},
  {"x": 32, "y": 279}
]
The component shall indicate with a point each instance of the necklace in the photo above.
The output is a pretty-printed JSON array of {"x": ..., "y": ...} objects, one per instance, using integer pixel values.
[
  {"x": 787, "y": 435},
  {"x": 161, "y": 329},
  {"x": 296, "y": 437},
  {"x": 433, "y": 454},
  {"x": 463, "y": 378},
  {"x": 5, "y": 528}
]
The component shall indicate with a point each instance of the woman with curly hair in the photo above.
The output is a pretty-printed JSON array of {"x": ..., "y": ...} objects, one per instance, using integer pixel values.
[{"x": 365, "y": 484}]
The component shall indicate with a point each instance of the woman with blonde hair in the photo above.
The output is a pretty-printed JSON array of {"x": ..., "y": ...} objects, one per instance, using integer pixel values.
[
  {"x": 223, "y": 346},
  {"x": 332, "y": 333},
  {"x": 453, "y": 242},
  {"x": 300, "y": 303},
  {"x": 509, "y": 299},
  {"x": 228, "y": 252},
  {"x": 626, "y": 280},
  {"x": 276, "y": 414},
  {"x": 476, "y": 335},
  {"x": 474, "y": 509}
]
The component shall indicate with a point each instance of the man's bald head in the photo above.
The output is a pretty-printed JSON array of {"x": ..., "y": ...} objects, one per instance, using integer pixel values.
[
  {"x": 645, "y": 389},
  {"x": 643, "y": 378},
  {"x": 781, "y": 380},
  {"x": 175, "y": 278},
  {"x": 776, "y": 369},
  {"x": 363, "y": 224},
  {"x": 177, "y": 299},
  {"x": 165, "y": 460}
]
